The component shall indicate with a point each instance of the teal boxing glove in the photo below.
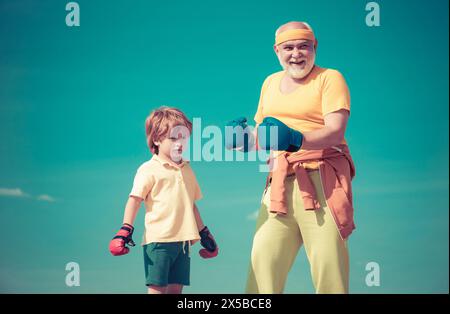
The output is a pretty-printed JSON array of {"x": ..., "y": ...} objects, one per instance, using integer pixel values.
[
  {"x": 275, "y": 135},
  {"x": 238, "y": 135}
]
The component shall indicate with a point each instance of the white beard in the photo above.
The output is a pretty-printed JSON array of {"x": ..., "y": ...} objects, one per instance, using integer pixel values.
[{"x": 297, "y": 73}]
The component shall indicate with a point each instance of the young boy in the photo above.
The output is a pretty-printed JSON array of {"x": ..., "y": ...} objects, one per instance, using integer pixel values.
[{"x": 169, "y": 189}]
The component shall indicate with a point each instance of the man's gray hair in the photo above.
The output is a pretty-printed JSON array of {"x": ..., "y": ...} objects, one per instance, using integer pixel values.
[{"x": 304, "y": 23}]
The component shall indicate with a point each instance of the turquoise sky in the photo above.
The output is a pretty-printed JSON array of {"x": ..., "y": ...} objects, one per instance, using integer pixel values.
[{"x": 73, "y": 103}]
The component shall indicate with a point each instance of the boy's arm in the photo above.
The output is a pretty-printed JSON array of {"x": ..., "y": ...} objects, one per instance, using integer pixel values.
[
  {"x": 131, "y": 209},
  {"x": 118, "y": 245},
  {"x": 207, "y": 240},
  {"x": 198, "y": 219}
]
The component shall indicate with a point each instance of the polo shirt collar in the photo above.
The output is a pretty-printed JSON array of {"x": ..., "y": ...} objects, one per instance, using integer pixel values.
[{"x": 165, "y": 162}]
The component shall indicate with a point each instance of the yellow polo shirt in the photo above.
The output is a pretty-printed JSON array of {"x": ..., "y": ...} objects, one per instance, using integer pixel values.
[
  {"x": 169, "y": 192},
  {"x": 323, "y": 91}
]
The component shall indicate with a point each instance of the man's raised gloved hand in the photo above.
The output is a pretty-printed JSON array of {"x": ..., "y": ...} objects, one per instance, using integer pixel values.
[
  {"x": 123, "y": 237},
  {"x": 210, "y": 246},
  {"x": 238, "y": 135},
  {"x": 284, "y": 138}
]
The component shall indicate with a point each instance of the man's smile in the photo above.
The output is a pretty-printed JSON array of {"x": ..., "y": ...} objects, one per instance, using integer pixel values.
[{"x": 301, "y": 63}]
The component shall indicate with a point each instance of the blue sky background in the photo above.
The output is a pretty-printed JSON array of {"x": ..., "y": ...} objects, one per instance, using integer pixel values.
[{"x": 73, "y": 103}]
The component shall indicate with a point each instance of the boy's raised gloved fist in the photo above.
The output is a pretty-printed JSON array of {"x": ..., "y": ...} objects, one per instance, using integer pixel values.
[
  {"x": 275, "y": 135},
  {"x": 123, "y": 237},
  {"x": 210, "y": 246},
  {"x": 238, "y": 135}
]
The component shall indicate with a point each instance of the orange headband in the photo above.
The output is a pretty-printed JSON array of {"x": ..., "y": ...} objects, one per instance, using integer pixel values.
[{"x": 293, "y": 34}]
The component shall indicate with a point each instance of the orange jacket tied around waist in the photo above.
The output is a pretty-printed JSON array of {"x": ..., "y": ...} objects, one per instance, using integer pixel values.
[{"x": 336, "y": 169}]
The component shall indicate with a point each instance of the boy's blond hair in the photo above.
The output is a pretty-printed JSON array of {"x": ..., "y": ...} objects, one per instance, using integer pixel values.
[{"x": 159, "y": 123}]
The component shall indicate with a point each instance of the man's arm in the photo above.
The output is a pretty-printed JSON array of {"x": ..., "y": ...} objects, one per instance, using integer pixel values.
[{"x": 330, "y": 135}]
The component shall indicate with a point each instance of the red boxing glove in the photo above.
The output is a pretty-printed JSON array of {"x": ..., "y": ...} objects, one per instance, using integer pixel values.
[
  {"x": 117, "y": 246},
  {"x": 210, "y": 246}
]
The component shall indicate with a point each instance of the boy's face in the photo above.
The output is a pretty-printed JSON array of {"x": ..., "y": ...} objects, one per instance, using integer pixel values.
[{"x": 173, "y": 144}]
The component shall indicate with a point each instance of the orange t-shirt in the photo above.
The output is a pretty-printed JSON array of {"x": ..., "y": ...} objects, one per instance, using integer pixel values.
[{"x": 323, "y": 91}]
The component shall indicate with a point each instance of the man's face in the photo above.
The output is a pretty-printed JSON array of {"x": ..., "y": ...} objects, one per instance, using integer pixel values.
[{"x": 297, "y": 57}]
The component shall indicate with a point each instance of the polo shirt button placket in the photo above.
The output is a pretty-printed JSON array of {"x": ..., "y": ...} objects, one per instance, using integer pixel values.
[{"x": 180, "y": 176}]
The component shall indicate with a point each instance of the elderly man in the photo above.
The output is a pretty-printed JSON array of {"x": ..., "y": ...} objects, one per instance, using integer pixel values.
[{"x": 308, "y": 196}]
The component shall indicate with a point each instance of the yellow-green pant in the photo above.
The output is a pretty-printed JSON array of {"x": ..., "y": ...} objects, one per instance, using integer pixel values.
[{"x": 278, "y": 238}]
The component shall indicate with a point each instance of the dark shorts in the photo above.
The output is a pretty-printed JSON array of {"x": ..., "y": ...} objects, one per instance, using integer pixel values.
[{"x": 166, "y": 263}]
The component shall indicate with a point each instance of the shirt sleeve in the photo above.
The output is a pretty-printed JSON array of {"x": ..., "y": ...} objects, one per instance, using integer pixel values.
[
  {"x": 335, "y": 93},
  {"x": 198, "y": 192},
  {"x": 143, "y": 183},
  {"x": 259, "y": 117}
]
